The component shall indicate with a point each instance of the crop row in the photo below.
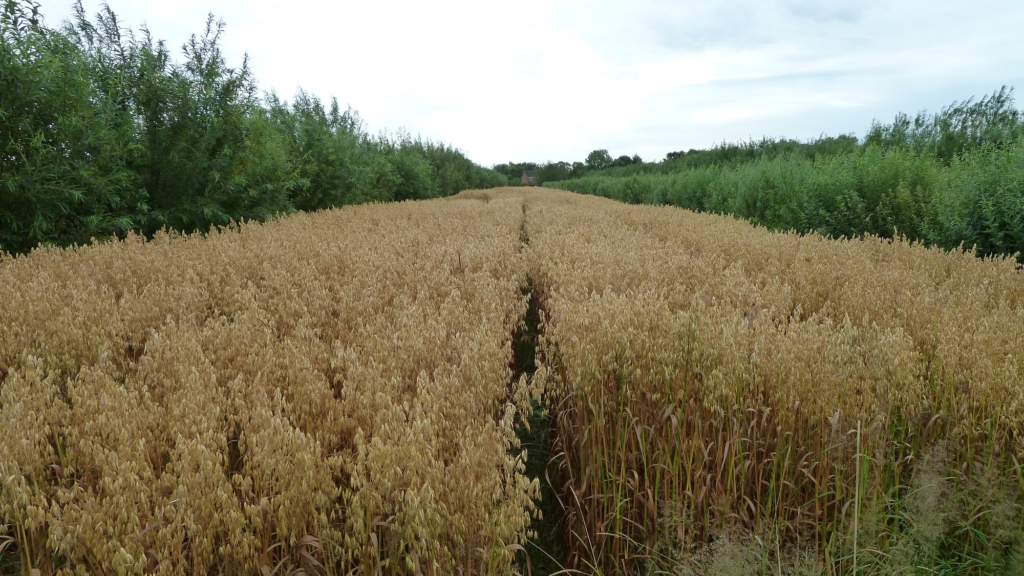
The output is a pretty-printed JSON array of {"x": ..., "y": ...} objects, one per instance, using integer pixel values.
[
  {"x": 320, "y": 393},
  {"x": 777, "y": 396}
]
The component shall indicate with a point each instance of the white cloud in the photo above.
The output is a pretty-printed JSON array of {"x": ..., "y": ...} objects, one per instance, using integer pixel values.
[{"x": 553, "y": 80}]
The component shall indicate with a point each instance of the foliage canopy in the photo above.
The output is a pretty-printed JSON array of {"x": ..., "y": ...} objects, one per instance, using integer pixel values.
[{"x": 103, "y": 132}]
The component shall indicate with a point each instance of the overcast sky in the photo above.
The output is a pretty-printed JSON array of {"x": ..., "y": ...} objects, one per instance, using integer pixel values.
[{"x": 554, "y": 79}]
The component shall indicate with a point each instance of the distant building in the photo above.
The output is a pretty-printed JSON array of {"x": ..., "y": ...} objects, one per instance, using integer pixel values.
[{"x": 529, "y": 177}]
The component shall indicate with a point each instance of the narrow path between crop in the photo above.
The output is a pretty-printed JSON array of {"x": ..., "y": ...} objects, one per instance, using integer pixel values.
[{"x": 545, "y": 552}]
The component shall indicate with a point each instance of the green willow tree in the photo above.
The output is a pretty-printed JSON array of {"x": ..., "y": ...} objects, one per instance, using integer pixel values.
[
  {"x": 64, "y": 150},
  {"x": 103, "y": 132}
]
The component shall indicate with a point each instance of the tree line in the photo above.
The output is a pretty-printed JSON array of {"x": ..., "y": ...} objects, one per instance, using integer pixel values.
[
  {"x": 951, "y": 178},
  {"x": 596, "y": 161},
  {"x": 102, "y": 132}
]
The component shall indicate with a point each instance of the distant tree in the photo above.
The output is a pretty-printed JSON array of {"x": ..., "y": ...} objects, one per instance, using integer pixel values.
[
  {"x": 623, "y": 161},
  {"x": 553, "y": 171},
  {"x": 514, "y": 169},
  {"x": 599, "y": 160}
]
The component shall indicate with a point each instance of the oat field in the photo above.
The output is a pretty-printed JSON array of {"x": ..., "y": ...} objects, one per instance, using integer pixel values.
[{"x": 339, "y": 393}]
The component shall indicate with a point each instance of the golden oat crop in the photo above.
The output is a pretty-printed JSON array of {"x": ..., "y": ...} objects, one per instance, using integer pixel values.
[
  {"x": 325, "y": 392},
  {"x": 332, "y": 393},
  {"x": 710, "y": 376}
]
